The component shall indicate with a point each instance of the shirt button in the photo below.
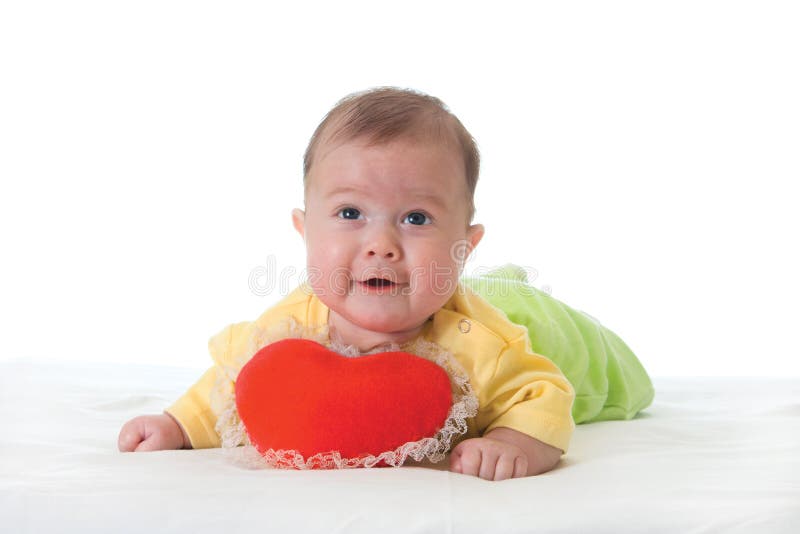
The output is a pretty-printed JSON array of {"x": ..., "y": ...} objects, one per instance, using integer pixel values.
[{"x": 464, "y": 326}]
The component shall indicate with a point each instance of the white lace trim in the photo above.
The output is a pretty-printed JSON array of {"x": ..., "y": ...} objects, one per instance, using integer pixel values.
[{"x": 238, "y": 449}]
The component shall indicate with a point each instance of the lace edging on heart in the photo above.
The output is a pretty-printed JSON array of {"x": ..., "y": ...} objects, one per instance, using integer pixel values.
[{"x": 238, "y": 448}]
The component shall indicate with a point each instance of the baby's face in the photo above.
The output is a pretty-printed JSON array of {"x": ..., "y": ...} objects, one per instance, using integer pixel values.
[{"x": 385, "y": 229}]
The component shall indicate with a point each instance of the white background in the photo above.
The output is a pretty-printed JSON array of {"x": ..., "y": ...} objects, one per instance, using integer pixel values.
[{"x": 640, "y": 156}]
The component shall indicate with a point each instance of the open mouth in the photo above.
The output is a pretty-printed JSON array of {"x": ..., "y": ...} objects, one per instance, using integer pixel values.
[{"x": 378, "y": 282}]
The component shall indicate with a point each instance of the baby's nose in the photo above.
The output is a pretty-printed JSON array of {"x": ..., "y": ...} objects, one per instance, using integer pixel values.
[
  {"x": 384, "y": 244},
  {"x": 388, "y": 254}
]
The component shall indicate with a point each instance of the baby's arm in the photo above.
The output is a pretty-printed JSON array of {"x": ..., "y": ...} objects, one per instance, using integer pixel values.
[
  {"x": 524, "y": 415},
  {"x": 152, "y": 433},
  {"x": 190, "y": 422},
  {"x": 503, "y": 453}
]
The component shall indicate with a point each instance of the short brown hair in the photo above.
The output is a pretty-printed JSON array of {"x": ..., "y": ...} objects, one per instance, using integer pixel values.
[{"x": 383, "y": 114}]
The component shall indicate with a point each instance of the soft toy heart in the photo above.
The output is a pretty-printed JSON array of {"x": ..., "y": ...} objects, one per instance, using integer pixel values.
[{"x": 297, "y": 395}]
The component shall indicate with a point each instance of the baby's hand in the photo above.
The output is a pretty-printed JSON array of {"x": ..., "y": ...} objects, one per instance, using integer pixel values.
[
  {"x": 152, "y": 433},
  {"x": 490, "y": 459}
]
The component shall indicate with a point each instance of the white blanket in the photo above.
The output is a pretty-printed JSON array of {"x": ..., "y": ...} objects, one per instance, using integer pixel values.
[{"x": 711, "y": 455}]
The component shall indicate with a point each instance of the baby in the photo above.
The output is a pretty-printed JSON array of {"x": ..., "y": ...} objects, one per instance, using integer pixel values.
[{"x": 389, "y": 181}]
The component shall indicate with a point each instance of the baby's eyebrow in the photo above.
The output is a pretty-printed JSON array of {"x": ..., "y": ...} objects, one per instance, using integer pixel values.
[
  {"x": 421, "y": 195},
  {"x": 343, "y": 189},
  {"x": 433, "y": 199}
]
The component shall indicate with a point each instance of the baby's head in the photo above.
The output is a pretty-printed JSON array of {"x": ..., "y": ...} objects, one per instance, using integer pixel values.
[
  {"x": 385, "y": 114},
  {"x": 389, "y": 181}
]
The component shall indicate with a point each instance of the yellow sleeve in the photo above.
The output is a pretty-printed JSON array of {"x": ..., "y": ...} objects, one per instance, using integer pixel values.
[
  {"x": 193, "y": 410},
  {"x": 528, "y": 393}
]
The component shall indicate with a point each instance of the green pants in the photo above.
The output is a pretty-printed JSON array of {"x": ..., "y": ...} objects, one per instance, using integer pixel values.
[{"x": 609, "y": 381}]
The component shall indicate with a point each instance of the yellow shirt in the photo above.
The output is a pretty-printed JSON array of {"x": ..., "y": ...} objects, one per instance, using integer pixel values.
[{"x": 515, "y": 387}]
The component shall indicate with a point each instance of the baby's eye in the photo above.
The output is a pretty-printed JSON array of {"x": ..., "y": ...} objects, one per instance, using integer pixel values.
[
  {"x": 417, "y": 218},
  {"x": 349, "y": 213}
]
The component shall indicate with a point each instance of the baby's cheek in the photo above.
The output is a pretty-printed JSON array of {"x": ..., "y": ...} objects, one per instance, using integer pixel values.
[
  {"x": 437, "y": 281},
  {"x": 337, "y": 281}
]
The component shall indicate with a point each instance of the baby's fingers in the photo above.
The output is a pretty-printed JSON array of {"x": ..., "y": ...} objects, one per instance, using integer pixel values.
[
  {"x": 520, "y": 467},
  {"x": 130, "y": 436},
  {"x": 505, "y": 468},
  {"x": 488, "y": 465},
  {"x": 155, "y": 437},
  {"x": 469, "y": 460},
  {"x": 151, "y": 443},
  {"x": 511, "y": 467}
]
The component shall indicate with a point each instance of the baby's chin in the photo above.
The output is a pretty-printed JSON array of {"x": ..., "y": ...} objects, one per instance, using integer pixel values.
[
  {"x": 389, "y": 326},
  {"x": 386, "y": 327}
]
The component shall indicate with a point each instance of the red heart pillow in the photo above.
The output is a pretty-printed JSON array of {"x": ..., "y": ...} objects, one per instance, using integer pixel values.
[{"x": 297, "y": 395}]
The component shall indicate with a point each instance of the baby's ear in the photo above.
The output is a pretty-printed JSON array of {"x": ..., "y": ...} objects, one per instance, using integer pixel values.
[
  {"x": 299, "y": 221},
  {"x": 474, "y": 235}
]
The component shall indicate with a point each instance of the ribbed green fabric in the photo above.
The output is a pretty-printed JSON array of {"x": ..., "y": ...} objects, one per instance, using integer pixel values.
[{"x": 609, "y": 381}]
